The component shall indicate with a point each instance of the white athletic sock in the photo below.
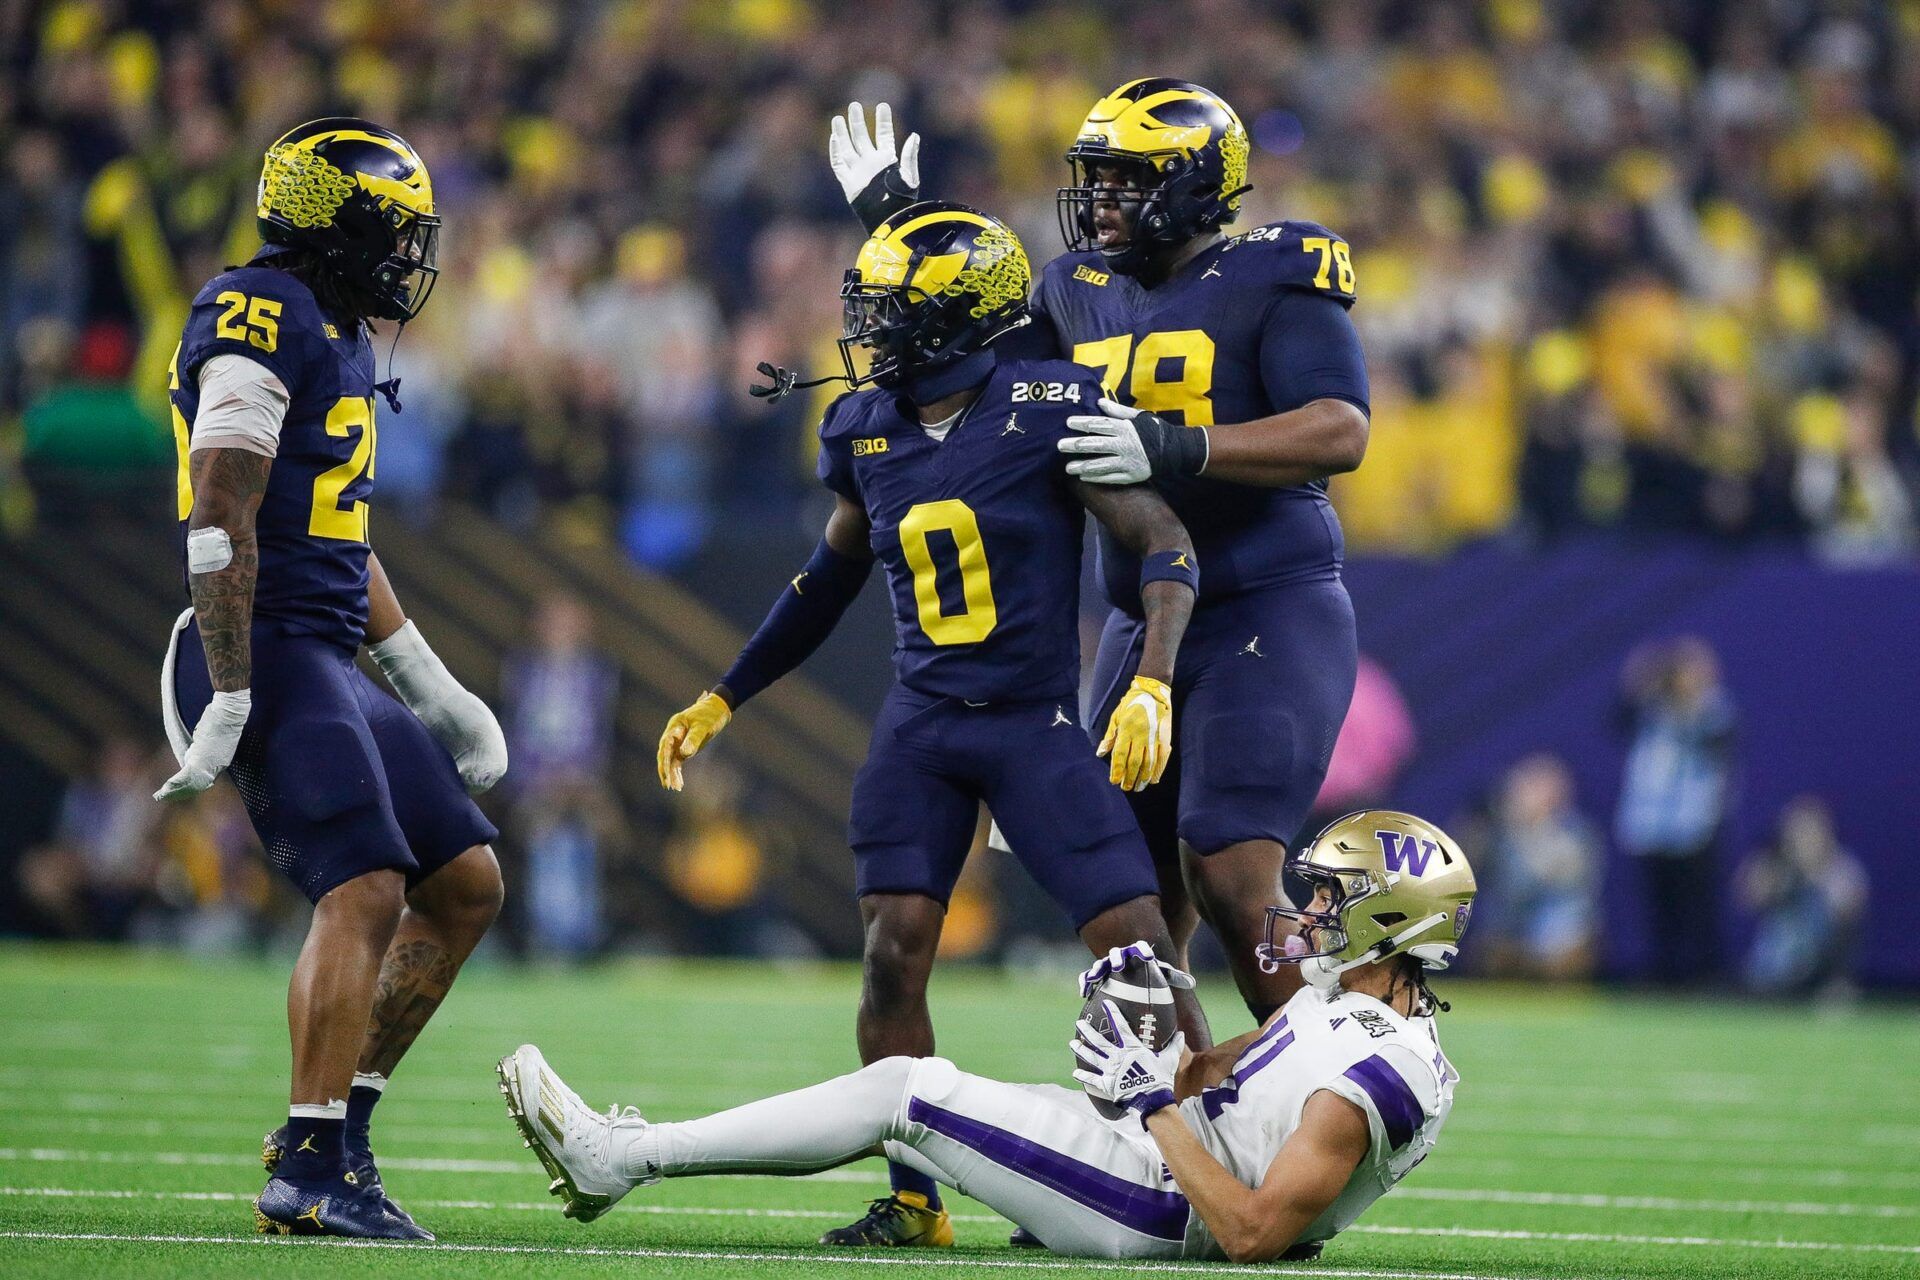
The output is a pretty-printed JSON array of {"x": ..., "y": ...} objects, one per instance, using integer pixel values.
[
  {"x": 370, "y": 1080},
  {"x": 336, "y": 1109},
  {"x": 805, "y": 1131}
]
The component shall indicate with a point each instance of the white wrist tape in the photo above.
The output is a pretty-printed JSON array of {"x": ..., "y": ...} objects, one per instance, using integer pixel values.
[
  {"x": 209, "y": 550},
  {"x": 414, "y": 670}
]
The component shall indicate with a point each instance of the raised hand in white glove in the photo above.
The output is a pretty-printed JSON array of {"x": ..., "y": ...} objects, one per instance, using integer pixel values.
[
  {"x": 876, "y": 181},
  {"x": 215, "y": 738},
  {"x": 1126, "y": 1073},
  {"x": 1119, "y": 958},
  {"x": 456, "y": 718}
]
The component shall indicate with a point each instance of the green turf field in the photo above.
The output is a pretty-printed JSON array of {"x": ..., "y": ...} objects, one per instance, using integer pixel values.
[{"x": 1590, "y": 1137}]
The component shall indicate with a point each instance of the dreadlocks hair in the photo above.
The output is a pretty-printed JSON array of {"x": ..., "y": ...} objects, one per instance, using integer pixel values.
[{"x": 308, "y": 268}]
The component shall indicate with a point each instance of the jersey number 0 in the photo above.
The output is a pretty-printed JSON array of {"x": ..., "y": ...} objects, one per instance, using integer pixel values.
[{"x": 976, "y": 621}]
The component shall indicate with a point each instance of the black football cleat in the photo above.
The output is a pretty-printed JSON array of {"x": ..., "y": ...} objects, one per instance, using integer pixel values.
[
  {"x": 360, "y": 1161},
  {"x": 1025, "y": 1239},
  {"x": 902, "y": 1220},
  {"x": 328, "y": 1207}
]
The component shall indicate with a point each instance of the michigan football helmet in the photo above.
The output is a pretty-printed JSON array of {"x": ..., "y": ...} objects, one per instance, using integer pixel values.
[
  {"x": 933, "y": 284},
  {"x": 1398, "y": 885},
  {"x": 1169, "y": 154},
  {"x": 358, "y": 197}
]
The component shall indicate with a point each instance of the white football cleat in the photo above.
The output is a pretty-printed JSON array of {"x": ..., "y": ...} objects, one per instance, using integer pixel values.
[{"x": 584, "y": 1150}]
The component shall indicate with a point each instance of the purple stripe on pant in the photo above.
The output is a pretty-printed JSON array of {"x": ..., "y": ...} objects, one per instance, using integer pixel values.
[{"x": 1160, "y": 1214}]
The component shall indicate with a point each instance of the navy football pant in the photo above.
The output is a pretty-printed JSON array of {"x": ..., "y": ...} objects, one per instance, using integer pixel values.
[
  {"x": 1259, "y": 693},
  {"x": 339, "y": 778},
  {"x": 934, "y": 761}
]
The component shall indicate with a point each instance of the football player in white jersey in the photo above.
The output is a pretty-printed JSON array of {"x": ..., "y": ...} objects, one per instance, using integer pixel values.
[{"x": 1259, "y": 1148}]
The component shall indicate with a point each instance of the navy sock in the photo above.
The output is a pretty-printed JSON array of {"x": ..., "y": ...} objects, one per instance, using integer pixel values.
[
  {"x": 906, "y": 1179},
  {"x": 316, "y": 1148},
  {"x": 360, "y": 1104}
]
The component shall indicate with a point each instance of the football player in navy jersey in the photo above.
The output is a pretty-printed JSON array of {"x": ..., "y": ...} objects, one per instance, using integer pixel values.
[
  {"x": 360, "y": 800},
  {"x": 947, "y": 471},
  {"x": 1234, "y": 380}
]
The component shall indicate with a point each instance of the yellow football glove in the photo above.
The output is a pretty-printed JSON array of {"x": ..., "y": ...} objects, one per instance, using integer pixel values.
[
  {"x": 689, "y": 731},
  {"x": 1139, "y": 738}
]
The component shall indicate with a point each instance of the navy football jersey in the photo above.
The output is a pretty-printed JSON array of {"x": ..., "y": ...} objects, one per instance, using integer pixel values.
[
  {"x": 312, "y": 523},
  {"x": 980, "y": 533},
  {"x": 1241, "y": 332}
]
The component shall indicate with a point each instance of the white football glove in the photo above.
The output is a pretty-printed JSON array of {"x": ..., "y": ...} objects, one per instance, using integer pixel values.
[
  {"x": 1120, "y": 957},
  {"x": 1127, "y": 1074},
  {"x": 456, "y": 718},
  {"x": 215, "y": 738},
  {"x": 1123, "y": 444},
  {"x": 857, "y": 161}
]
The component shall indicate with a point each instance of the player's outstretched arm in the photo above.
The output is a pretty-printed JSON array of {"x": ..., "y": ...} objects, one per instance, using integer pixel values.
[
  {"x": 455, "y": 716},
  {"x": 804, "y": 616},
  {"x": 223, "y": 563},
  {"x": 1139, "y": 737},
  {"x": 1258, "y": 1224}
]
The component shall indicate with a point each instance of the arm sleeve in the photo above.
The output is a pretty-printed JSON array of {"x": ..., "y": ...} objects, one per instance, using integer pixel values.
[
  {"x": 1309, "y": 351},
  {"x": 804, "y": 615},
  {"x": 242, "y": 404}
]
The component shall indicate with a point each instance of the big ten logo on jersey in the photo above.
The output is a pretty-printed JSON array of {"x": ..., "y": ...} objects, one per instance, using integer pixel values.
[
  {"x": 869, "y": 444},
  {"x": 1084, "y": 272},
  {"x": 1046, "y": 392}
]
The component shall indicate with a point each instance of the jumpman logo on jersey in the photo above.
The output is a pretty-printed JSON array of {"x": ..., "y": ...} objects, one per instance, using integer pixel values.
[
  {"x": 796, "y": 582},
  {"x": 1059, "y": 718},
  {"x": 1211, "y": 272},
  {"x": 1013, "y": 427},
  {"x": 1253, "y": 647}
]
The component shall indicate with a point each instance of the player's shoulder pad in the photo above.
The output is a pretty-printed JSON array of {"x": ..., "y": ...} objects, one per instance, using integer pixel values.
[
  {"x": 265, "y": 314},
  {"x": 1297, "y": 255},
  {"x": 1059, "y": 385},
  {"x": 849, "y": 412}
]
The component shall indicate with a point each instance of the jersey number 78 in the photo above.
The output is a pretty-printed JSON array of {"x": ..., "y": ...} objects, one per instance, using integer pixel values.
[{"x": 1190, "y": 394}]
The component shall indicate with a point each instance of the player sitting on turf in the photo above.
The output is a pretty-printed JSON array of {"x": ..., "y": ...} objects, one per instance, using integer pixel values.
[
  {"x": 947, "y": 472},
  {"x": 1237, "y": 386},
  {"x": 357, "y": 798},
  {"x": 1259, "y": 1148}
]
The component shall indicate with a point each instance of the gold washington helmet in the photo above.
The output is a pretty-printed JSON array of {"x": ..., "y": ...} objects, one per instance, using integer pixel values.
[
  {"x": 934, "y": 283},
  {"x": 1170, "y": 154},
  {"x": 1398, "y": 884},
  {"x": 357, "y": 196}
]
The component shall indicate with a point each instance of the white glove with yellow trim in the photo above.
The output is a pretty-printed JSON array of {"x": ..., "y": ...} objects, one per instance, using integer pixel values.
[
  {"x": 689, "y": 731},
  {"x": 1139, "y": 737}
]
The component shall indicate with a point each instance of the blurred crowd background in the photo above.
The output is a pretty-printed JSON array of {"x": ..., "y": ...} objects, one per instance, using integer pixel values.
[{"x": 1643, "y": 268}]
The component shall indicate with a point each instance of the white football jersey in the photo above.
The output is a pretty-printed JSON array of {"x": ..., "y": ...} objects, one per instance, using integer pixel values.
[{"x": 1389, "y": 1066}]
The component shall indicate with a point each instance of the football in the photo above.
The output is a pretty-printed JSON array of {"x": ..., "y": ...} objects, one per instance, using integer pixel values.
[{"x": 1146, "y": 1002}]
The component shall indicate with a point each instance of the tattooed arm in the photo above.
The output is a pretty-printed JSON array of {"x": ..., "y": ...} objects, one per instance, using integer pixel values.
[
  {"x": 1142, "y": 522},
  {"x": 227, "y": 487},
  {"x": 223, "y": 562}
]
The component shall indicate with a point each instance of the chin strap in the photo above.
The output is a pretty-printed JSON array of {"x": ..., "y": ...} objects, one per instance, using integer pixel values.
[
  {"x": 784, "y": 382},
  {"x": 391, "y": 387}
]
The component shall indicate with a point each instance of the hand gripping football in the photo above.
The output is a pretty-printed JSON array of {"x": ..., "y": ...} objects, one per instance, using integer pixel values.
[{"x": 1145, "y": 1000}]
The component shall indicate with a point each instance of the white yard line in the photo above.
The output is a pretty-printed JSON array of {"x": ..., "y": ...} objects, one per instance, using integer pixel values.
[
  {"x": 1598, "y": 1237},
  {"x": 1631, "y": 1204},
  {"x": 836, "y": 1259}
]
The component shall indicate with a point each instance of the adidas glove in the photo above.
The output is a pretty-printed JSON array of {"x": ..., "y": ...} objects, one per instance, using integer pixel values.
[{"x": 1126, "y": 1073}]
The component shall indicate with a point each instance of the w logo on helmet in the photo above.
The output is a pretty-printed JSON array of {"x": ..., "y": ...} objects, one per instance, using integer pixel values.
[{"x": 1406, "y": 852}]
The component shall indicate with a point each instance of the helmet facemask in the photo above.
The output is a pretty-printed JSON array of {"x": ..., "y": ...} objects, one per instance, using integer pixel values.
[
  {"x": 403, "y": 280},
  {"x": 902, "y": 330},
  {"x": 1140, "y": 197}
]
